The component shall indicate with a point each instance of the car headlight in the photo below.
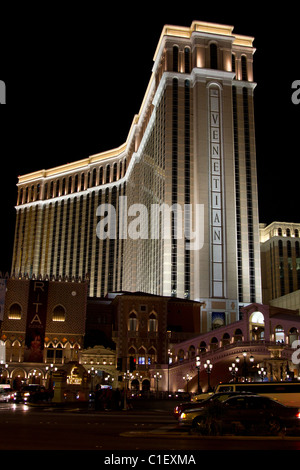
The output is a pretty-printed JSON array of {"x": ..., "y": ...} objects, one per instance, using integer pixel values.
[{"x": 183, "y": 416}]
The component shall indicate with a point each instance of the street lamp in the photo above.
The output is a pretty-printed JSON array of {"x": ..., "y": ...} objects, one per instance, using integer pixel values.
[
  {"x": 233, "y": 369},
  {"x": 126, "y": 377},
  {"x": 157, "y": 377},
  {"x": 208, "y": 367},
  {"x": 245, "y": 367},
  {"x": 187, "y": 377},
  {"x": 262, "y": 373},
  {"x": 92, "y": 373},
  {"x": 198, "y": 364},
  {"x": 52, "y": 368}
]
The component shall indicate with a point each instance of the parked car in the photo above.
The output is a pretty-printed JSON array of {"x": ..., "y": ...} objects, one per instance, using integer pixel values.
[
  {"x": 6, "y": 395},
  {"x": 243, "y": 413},
  {"x": 208, "y": 398},
  {"x": 31, "y": 393}
]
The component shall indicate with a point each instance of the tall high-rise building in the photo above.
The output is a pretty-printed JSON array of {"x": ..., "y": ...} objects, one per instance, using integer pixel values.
[
  {"x": 280, "y": 259},
  {"x": 189, "y": 151}
]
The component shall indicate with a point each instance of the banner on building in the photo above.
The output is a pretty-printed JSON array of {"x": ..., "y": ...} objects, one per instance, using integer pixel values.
[
  {"x": 36, "y": 321},
  {"x": 2, "y": 297}
]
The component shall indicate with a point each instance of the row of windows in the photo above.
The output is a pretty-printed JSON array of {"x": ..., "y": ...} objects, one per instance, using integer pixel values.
[
  {"x": 213, "y": 58},
  {"x": 58, "y": 313},
  {"x": 288, "y": 232},
  {"x": 152, "y": 325},
  {"x": 69, "y": 246},
  {"x": 74, "y": 183}
]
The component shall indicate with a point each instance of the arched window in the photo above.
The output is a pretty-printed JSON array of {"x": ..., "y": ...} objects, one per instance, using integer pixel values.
[
  {"x": 192, "y": 352},
  {"x": 94, "y": 177},
  {"x": 151, "y": 356},
  {"x": 244, "y": 68},
  {"x": 233, "y": 62},
  {"x": 70, "y": 185},
  {"x": 82, "y": 182},
  {"x": 213, "y": 56},
  {"x": 203, "y": 347},
  {"x": 187, "y": 60},
  {"x": 59, "y": 354},
  {"x": 180, "y": 355},
  {"x": 132, "y": 326},
  {"x": 257, "y": 326},
  {"x": 214, "y": 343},
  {"x": 280, "y": 232},
  {"x": 175, "y": 58},
  {"x": 238, "y": 335},
  {"x": 225, "y": 339},
  {"x": 142, "y": 356},
  {"x": 59, "y": 313},
  {"x": 152, "y": 322},
  {"x": 293, "y": 335},
  {"x": 107, "y": 180},
  {"x": 15, "y": 312},
  {"x": 50, "y": 353},
  {"x": 279, "y": 334},
  {"x": 115, "y": 172},
  {"x": 101, "y": 175}
]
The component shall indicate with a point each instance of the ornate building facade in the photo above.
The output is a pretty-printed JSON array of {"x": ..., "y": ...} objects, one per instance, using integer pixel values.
[
  {"x": 43, "y": 324},
  {"x": 188, "y": 163}
]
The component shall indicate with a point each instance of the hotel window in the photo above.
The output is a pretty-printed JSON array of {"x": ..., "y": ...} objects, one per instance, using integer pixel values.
[
  {"x": 70, "y": 185},
  {"x": 107, "y": 174},
  {"x": 175, "y": 58},
  {"x": 94, "y": 176},
  {"x": 233, "y": 62},
  {"x": 244, "y": 68},
  {"x": 82, "y": 181},
  {"x": 187, "y": 60},
  {"x": 213, "y": 56},
  {"x": 115, "y": 172}
]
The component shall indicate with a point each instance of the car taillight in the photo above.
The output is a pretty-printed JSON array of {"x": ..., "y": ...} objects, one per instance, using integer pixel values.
[{"x": 298, "y": 415}]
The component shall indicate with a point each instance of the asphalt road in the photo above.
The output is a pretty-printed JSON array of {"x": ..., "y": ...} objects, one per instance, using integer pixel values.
[{"x": 27, "y": 428}]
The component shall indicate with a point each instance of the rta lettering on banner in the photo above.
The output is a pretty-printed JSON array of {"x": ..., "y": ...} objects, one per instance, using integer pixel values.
[{"x": 36, "y": 321}]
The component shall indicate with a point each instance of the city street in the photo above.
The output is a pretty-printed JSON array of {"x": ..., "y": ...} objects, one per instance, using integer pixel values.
[{"x": 24, "y": 427}]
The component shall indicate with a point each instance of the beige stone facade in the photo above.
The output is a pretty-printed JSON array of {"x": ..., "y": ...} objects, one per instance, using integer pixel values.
[{"x": 192, "y": 144}]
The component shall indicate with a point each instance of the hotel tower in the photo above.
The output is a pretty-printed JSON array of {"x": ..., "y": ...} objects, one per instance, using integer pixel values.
[{"x": 192, "y": 145}]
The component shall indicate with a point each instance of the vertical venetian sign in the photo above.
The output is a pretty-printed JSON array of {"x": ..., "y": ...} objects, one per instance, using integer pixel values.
[
  {"x": 216, "y": 194},
  {"x": 36, "y": 321}
]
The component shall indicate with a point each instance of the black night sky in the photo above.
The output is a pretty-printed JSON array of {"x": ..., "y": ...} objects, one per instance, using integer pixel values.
[{"x": 76, "y": 75}]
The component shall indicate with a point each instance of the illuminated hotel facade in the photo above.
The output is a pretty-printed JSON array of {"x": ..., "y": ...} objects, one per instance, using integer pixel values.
[{"x": 191, "y": 144}]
